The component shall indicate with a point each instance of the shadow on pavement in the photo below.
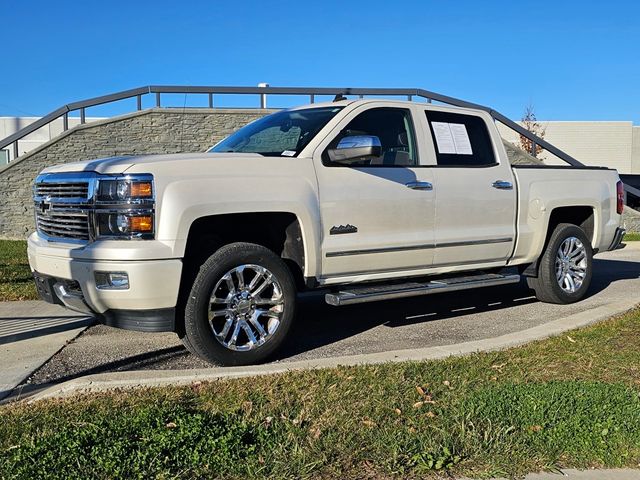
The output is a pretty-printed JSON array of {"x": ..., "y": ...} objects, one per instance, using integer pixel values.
[
  {"x": 5, "y": 396},
  {"x": 134, "y": 362},
  {"x": 320, "y": 324},
  {"x": 609, "y": 271},
  {"x": 47, "y": 330}
]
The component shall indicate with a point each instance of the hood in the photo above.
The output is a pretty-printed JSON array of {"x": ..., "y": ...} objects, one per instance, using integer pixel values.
[{"x": 119, "y": 165}]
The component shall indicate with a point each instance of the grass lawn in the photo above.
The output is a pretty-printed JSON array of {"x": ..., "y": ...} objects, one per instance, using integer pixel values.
[
  {"x": 16, "y": 282},
  {"x": 632, "y": 237},
  {"x": 569, "y": 401}
]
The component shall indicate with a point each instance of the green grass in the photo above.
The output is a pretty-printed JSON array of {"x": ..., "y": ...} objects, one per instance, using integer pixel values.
[
  {"x": 16, "y": 282},
  {"x": 631, "y": 237},
  {"x": 569, "y": 401}
]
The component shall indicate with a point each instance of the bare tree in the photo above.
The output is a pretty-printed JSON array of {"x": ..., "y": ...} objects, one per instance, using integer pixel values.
[{"x": 531, "y": 124}]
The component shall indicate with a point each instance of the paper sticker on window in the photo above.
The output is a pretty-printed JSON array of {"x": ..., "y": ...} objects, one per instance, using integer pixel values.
[
  {"x": 444, "y": 138},
  {"x": 288, "y": 153},
  {"x": 461, "y": 139},
  {"x": 452, "y": 138}
]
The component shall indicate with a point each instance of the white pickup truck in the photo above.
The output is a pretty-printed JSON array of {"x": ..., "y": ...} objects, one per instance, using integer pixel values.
[{"x": 367, "y": 200}]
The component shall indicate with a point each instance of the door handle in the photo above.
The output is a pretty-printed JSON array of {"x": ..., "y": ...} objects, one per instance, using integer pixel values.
[
  {"x": 419, "y": 185},
  {"x": 502, "y": 185}
]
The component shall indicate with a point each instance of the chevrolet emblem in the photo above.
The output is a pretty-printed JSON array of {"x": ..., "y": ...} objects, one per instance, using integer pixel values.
[{"x": 44, "y": 207}]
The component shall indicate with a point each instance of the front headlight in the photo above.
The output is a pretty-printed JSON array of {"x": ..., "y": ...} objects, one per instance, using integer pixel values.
[
  {"x": 124, "y": 224},
  {"x": 124, "y": 190},
  {"x": 125, "y": 207}
]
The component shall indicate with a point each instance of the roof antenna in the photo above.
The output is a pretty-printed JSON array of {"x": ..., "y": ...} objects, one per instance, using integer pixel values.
[{"x": 339, "y": 97}]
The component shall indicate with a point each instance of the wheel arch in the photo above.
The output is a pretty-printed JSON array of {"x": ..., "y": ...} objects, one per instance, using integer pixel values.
[
  {"x": 281, "y": 232},
  {"x": 583, "y": 216}
]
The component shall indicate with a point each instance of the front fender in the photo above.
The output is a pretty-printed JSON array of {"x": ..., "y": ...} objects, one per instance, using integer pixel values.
[{"x": 186, "y": 200}]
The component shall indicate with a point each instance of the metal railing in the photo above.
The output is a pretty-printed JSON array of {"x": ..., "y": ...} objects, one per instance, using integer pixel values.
[{"x": 263, "y": 91}]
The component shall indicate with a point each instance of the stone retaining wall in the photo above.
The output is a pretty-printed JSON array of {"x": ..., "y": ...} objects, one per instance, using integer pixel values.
[
  {"x": 161, "y": 130},
  {"x": 631, "y": 220}
]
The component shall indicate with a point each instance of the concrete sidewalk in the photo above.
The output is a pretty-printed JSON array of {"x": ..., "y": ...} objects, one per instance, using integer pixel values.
[{"x": 31, "y": 333}]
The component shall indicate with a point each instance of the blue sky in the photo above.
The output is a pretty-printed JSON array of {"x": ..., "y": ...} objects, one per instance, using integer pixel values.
[{"x": 573, "y": 60}]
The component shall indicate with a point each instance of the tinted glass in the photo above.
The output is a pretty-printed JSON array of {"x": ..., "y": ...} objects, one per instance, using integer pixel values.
[
  {"x": 283, "y": 133},
  {"x": 460, "y": 140},
  {"x": 394, "y": 129}
]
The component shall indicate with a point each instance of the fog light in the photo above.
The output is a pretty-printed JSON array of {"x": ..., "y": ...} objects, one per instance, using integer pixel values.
[{"x": 112, "y": 280}]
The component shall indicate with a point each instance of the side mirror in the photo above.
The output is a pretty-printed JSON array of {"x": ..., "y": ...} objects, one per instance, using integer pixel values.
[{"x": 352, "y": 149}]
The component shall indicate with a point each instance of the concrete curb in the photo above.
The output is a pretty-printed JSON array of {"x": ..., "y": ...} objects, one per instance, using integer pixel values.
[
  {"x": 612, "y": 474},
  {"x": 157, "y": 378}
]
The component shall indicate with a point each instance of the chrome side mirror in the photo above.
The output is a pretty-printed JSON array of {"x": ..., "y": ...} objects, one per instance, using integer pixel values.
[{"x": 354, "y": 148}]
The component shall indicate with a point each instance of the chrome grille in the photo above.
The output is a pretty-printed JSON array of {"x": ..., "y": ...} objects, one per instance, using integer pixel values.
[
  {"x": 69, "y": 208},
  {"x": 63, "y": 224},
  {"x": 62, "y": 190},
  {"x": 62, "y": 203}
]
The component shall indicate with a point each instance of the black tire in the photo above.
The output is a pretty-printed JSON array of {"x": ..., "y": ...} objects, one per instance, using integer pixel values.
[
  {"x": 187, "y": 344},
  {"x": 199, "y": 335},
  {"x": 546, "y": 284}
]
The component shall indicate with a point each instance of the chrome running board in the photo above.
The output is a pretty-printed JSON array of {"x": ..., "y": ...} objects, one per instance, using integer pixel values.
[{"x": 413, "y": 289}]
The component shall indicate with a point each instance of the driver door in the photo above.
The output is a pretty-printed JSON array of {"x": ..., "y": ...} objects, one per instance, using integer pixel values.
[{"x": 377, "y": 213}]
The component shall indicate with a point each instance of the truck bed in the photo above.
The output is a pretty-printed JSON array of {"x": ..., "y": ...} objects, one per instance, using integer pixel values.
[{"x": 542, "y": 188}]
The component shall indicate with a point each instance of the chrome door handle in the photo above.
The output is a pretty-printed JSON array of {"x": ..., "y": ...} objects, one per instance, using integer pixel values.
[
  {"x": 419, "y": 185},
  {"x": 502, "y": 185}
]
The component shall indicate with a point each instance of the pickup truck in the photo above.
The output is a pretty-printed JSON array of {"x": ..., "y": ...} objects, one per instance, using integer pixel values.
[{"x": 363, "y": 200}]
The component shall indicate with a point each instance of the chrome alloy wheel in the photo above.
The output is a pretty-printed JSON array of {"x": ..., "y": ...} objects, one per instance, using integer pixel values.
[
  {"x": 246, "y": 307},
  {"x": 571, "y": 264}
]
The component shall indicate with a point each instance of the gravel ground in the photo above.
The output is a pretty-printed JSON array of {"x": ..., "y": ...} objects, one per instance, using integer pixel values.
[{"x": 323, "y": 331}]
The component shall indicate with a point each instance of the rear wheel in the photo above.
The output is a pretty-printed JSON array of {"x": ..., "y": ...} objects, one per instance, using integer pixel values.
[
  {"x": 241, "y": 305},
  {"x": 566, "y": 265}
]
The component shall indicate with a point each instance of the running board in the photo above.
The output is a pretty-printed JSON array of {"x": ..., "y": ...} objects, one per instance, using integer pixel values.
[{"x": 413, "y": 289}]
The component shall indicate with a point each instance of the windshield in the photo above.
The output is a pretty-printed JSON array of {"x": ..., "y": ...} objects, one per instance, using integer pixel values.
[{"x": 283, "y": 133}]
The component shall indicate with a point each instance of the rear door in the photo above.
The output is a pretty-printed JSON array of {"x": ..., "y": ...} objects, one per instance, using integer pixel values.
[{"x": 475, "y": 191}]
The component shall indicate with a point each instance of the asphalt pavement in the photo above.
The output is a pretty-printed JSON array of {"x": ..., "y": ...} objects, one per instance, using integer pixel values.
[{"x": 324, "y": 331}]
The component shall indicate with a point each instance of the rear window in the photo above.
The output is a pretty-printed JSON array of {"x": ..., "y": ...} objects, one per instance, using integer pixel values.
[{"x": 460, "y": 140}]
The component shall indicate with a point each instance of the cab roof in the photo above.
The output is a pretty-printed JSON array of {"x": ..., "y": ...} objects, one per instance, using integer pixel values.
[{"x": 364, "y": 101}]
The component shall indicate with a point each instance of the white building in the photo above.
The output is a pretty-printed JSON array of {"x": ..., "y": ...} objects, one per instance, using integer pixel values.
[
  {"x": 10, "y": 125},
  {"x": 611, "y": 144}
]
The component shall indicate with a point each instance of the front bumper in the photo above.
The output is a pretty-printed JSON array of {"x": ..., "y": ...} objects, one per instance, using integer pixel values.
[{"x": 148, "y": 304}]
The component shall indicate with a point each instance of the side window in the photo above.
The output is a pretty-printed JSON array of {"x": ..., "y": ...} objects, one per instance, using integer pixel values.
[
  {"x": 393, "y": 127},
  {"x": 460, "y": 140}
]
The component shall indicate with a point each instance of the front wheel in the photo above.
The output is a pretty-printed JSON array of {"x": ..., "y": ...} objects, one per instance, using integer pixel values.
[
  {"x": 241, "y": 305},
  {"x": 566, "y": 266}
]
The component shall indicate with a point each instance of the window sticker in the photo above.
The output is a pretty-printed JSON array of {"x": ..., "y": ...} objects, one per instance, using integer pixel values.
[
  {"x": 452, "y": 138},
  {"x": 461, "y": 138},
  {"x": 288, "y": 153},
  {"x": 444, "y": 138}
]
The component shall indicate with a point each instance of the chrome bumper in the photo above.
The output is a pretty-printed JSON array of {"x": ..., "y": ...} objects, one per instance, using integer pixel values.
[
  {"x": 617, "y": 239},
  {"x": 72, "y": 300},
  {"x": 61, "y": 292},
  {"x": 68, "y": 294}
]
